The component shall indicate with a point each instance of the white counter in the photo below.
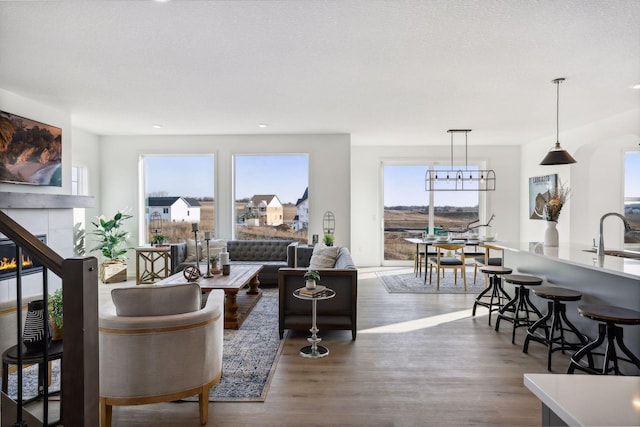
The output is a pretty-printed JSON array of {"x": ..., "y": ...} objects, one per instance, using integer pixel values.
[
  {"x": 589, "y": 400},
  {"x": 575, "y": 254}
]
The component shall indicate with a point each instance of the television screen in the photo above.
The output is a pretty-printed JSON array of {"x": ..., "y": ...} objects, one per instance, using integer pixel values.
[{"x": 30, "y": 151}]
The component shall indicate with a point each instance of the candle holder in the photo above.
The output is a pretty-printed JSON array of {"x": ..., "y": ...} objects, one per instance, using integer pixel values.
[
  {"x": 194, "y": 227},
  {"x": 208, "y": 274}
]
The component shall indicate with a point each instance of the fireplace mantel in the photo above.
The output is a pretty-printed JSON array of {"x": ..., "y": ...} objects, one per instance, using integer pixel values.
[{"x": 9, "y": 200}]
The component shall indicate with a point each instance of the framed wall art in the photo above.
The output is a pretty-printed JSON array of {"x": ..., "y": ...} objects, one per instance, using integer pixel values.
[
  {"x": 30, "y": 151},
  {"x": 540, "y": 187}
]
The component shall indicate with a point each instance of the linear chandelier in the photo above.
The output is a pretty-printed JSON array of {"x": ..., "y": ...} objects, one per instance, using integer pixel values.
[{"x": 458, "y": 179}]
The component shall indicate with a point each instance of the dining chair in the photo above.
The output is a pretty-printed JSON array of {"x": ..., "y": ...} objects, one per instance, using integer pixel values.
[
  {"x": 448, "y": 255},
  {"x": 486, "y": 259}
]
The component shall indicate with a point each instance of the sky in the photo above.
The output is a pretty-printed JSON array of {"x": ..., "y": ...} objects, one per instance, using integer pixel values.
[
  {"x": 286, "y": 176},
  {"x": 632, "y": 175}
]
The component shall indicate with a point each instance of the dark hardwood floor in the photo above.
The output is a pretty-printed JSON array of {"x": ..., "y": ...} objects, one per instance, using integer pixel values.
[{"x": 419, "y": 360}]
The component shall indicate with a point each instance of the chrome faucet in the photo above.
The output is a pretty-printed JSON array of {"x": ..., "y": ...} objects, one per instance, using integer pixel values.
[{"x": 627, "y": 229}]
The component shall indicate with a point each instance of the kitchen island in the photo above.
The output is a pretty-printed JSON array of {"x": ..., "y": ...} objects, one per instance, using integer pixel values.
[{"x": 615, "y": 281}]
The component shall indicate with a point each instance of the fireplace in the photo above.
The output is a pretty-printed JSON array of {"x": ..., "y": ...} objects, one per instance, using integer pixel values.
[{"x": 9, "y": 264}]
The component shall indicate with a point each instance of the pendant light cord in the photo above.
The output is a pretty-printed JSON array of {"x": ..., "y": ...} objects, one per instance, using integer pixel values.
[{"x": 558, "y": 111}]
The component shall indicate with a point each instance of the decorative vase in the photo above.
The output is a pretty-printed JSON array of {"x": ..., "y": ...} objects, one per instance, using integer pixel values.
[
  {"x": 311, "y": 284},
  {"x": 57, "y": 333},
  {"x": 551, "y": 234},
  {"x": 33, "y": 336}
]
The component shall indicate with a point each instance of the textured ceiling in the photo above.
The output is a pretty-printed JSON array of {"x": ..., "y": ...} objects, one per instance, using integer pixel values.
[{"x": 387, "y": 72}]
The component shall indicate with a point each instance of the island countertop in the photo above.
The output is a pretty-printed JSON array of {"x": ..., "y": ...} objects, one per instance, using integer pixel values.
[
  {"x": 576, "y": 254},
  {"x": 589, "y": 400}
]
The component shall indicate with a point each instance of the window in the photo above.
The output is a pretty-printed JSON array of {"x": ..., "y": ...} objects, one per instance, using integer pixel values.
[
  {"x": 79, "y": 187},
  {"x": 407, "y": 211},
  {"x": 632, "y": 196},
  {"x": 271, "y": 197},
  {"x": 179, "y": 191}
]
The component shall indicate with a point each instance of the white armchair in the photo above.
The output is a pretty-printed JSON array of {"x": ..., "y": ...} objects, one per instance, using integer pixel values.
[{"x": 158, "y": 345}]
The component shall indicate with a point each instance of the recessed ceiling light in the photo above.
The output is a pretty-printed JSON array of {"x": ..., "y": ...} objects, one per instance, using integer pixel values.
[
  {"x": 262, "y": 125},
  {"x": 156, "y": 126},
  {"x": 635, "y": 86}
]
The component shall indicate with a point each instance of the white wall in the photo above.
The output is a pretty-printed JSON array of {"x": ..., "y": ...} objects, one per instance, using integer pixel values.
[
  {"x": 596, "y": 180},
  {"x": 16, "y": 104},
  {"x": 85, "y": 154},
  {"x": 329, "y": 173},
  {"x": 366, "y": 190},
  {"x": 57, "y": 224}
]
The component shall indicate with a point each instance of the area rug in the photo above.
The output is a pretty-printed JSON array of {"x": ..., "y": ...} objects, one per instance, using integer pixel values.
[
  {"x": 30, "y": 381},
  {"x": 249, "y": 359},
  {"x": 405, "y": 281},
  {"x": 250, "y": 354}
]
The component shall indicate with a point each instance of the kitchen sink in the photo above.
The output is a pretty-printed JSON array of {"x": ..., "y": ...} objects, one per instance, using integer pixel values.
[{"x": 621, "y": 254}]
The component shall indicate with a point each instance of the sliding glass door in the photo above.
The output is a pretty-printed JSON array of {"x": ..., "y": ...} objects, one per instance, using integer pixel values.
[{"x": 408, "y": 210}]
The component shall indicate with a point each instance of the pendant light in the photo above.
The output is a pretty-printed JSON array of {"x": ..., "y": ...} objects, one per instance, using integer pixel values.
[
  {"x": 459, "y": 180},
  {"x": 557, "y": 155}
]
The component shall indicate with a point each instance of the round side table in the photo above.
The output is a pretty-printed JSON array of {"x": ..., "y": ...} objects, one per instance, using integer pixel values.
[
  {"x": 314, "y": 350},
  {"x": 10, "y": 357}
]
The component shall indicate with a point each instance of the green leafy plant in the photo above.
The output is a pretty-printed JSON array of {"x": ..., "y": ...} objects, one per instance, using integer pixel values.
[
  {"x": 214, "y": 258},
  {"x": 158, "y": 239},
  {"x": 112, "y": 238},
  {"x": 55, "y": 307},
  {"x": 312, "y": 275},
  {"x": 328, "y": 239}
]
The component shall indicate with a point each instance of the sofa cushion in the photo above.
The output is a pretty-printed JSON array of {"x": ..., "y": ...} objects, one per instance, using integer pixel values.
[
  {"x": 191, "y": 251},
  {"x": 157, "y": 300},
  {"x": 344, "y": 260},
  {"x": 323, "y": 257}
]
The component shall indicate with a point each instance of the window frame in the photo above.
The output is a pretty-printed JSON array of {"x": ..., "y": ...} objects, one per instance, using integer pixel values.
[{"x": 431, "y": 164}]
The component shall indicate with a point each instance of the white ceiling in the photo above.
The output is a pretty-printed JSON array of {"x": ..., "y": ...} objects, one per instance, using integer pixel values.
[{"x": 386, "y": 72}]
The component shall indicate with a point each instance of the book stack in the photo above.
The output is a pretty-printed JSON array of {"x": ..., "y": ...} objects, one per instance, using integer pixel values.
[{"x": 313, "y": 292}]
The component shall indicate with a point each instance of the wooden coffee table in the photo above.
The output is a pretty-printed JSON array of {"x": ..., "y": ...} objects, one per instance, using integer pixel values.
[{"x": 236, "y": 307}]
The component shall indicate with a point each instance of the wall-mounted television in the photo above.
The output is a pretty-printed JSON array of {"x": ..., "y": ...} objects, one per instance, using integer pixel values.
[{"x": 30, "y": 151}]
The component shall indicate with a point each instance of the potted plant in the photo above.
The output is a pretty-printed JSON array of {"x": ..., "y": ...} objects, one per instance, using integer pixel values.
[
  {"x": 328, "y": 239},
  {"x": 158, "y": 239},
  {"x": 215, "y": 267},
  {"x": 111, "y": 244},
  {"x": 55, "y": 313},
  {"x": 311, "y": 277}
]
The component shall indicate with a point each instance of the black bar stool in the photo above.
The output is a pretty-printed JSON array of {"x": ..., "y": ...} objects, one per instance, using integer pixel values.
[
  {"x": 520, "y": 306},
  {"x": 609, "y": 317},
  {"x": 498, "y": 297},
  {"x": 559, "y": 323}
]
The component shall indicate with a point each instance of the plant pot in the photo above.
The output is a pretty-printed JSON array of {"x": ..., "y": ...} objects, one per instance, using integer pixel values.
[
  {"x": 311, "y": 284},
  {"x": 113, "y": 272},
  {"x": 56, "y": 334}
]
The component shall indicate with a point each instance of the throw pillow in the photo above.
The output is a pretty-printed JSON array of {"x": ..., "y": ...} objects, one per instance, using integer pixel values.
[
  {"x": 191, "y": 250},
  {"x": 323, "y": 257}
]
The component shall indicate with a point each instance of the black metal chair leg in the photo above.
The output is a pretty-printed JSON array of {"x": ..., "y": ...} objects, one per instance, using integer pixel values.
[{"x": 575, "y": 359}]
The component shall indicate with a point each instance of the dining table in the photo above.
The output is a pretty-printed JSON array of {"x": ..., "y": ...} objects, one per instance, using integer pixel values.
[{"x": 432, "y": 242}]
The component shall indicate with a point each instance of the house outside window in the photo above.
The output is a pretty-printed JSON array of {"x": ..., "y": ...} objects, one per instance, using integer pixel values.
[
  {"x": 268, "y": 192},
  {"x": 172, "y": 199}
]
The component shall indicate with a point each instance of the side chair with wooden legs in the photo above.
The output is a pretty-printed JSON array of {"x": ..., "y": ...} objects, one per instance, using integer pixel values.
[{"x": 441, "y": 261}]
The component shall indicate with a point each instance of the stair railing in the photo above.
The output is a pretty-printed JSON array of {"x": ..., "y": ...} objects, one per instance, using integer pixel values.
[{"x": 80, "y": 387}]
